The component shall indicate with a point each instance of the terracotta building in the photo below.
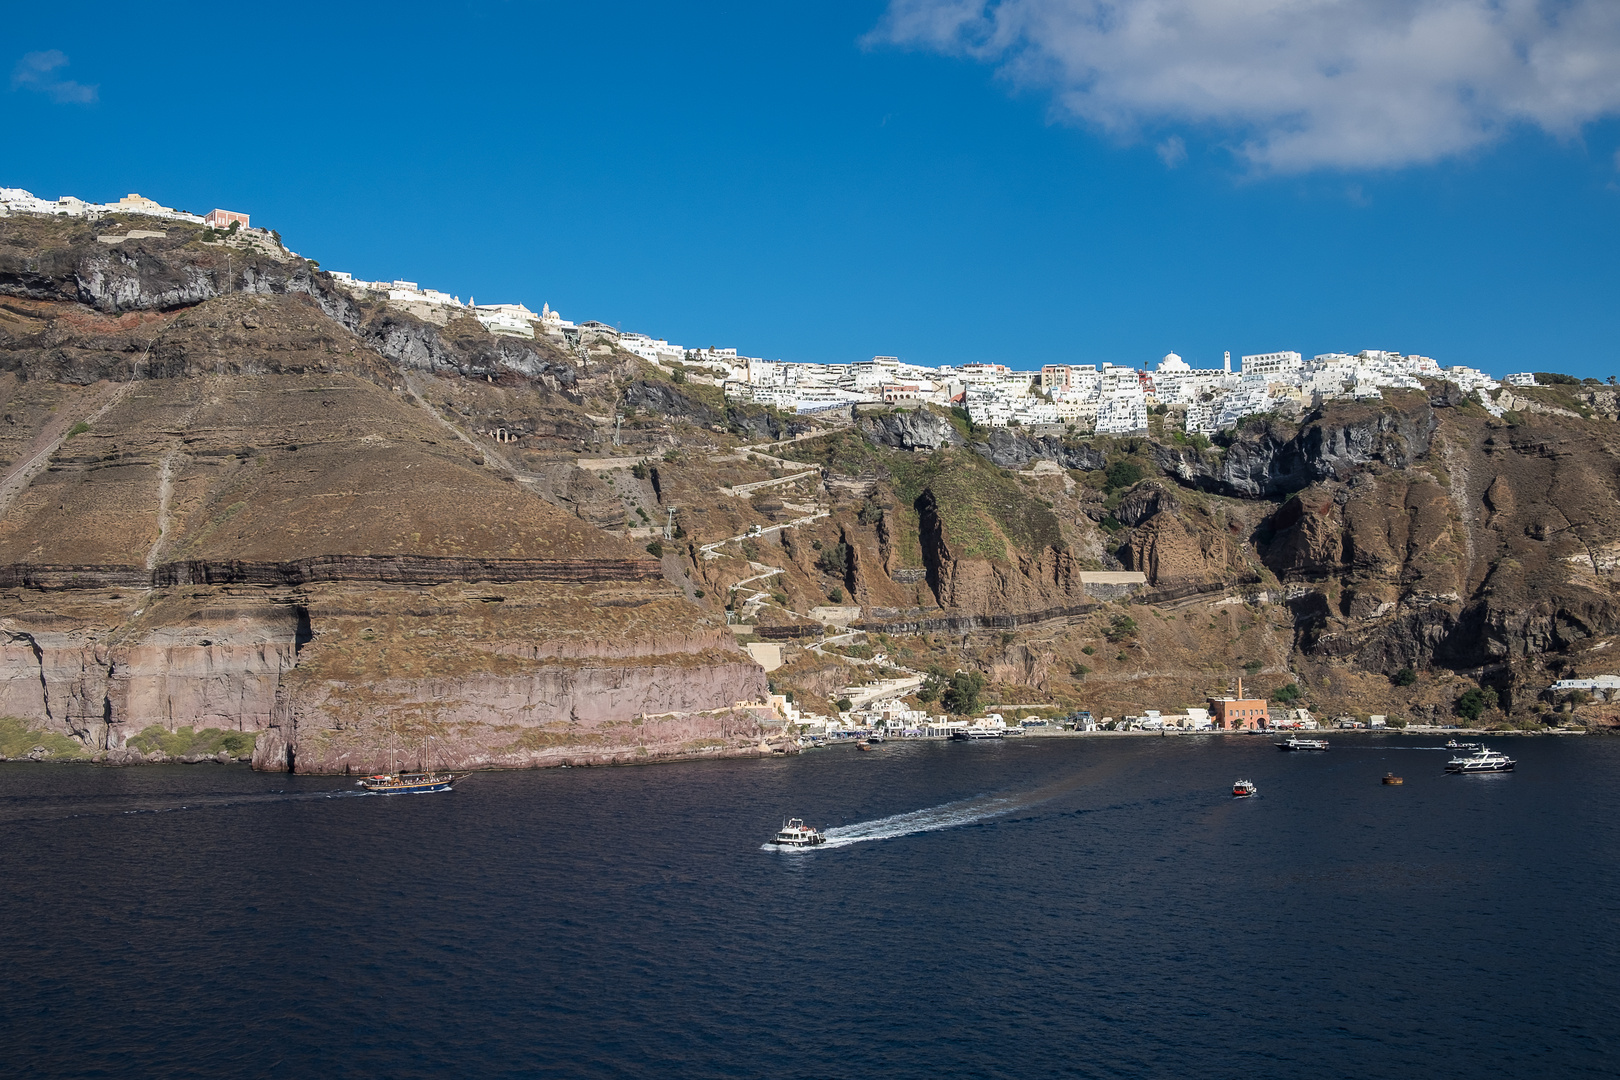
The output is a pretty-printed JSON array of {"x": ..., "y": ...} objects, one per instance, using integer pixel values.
[
  {"x": 1238, "y": 713},
  {"x": 222, "y": 219}
]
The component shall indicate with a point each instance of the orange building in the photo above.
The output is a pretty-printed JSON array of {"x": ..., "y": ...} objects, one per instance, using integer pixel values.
[
  {"x": 1238, "y": 713},
  {"x": 222, "y": 219}
]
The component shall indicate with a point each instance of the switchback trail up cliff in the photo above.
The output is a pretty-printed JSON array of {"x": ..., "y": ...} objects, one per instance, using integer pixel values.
[{"x": 50, "y": 440}]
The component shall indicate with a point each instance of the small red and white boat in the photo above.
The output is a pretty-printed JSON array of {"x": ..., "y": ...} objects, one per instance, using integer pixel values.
[{"x": 1242, "y": 789}]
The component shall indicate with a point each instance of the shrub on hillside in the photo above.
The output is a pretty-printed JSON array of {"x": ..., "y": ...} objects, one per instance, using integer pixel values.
[
  {"x": 834, "y": 560},
  {"x": 1472, "y": 704},
  {"x": 962, "y": 692},
  {"x": 1122, "y": 474}
]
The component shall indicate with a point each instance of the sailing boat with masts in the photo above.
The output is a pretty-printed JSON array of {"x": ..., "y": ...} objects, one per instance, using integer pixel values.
[{"x": 410, "y": 783}]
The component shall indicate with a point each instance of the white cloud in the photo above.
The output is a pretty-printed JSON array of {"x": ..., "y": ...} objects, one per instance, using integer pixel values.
[
  {"x": 36, "y": 71},
  {"x": 1296, "y": 84},
  {"x": 1173, "y": 151}
]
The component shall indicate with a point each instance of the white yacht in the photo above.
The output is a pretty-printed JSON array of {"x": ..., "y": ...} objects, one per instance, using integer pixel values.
[
  {"x": 1297, "y": 745},
  {"x": 795, "y": 833},
  {"x": 1483, "y": 759}
]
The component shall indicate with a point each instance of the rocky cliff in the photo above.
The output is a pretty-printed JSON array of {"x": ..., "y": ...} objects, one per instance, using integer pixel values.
[{"x": 237, "y": 495}]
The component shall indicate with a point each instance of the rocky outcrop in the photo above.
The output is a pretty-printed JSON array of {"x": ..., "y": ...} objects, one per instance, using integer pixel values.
[
  {"x": 1028, "y": 581},
  {"x": 101, "y": 685},
  {"x": 660, "y": 399},
  {"x": 916, "y": 429},
  {"x": 176, "y": 273},
  {"x": 594, "y": 712},
  {"x": 332, "y": 673},
  {"x": 1269, "y": 458},
  {"x": 394, "y": 569},
  {"x": 1013, "y": 449}
]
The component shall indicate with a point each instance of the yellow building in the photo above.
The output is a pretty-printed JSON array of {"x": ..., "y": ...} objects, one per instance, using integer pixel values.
[{"x": 140, "y": 204}]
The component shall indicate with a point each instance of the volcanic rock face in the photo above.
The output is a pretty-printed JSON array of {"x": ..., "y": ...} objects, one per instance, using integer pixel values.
[
  {"x": 1014, "y": 450},
  {"x": 233, "y": 494},
  {"x": 918, "y": 429},
  {"x": 1272, "y": 460},
  {"x": 262, "y": 525},
  {"x": 1506, "y": 564}
]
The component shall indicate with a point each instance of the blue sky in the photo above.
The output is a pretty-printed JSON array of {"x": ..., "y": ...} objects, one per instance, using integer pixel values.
[{"x": 827, "y": 181}]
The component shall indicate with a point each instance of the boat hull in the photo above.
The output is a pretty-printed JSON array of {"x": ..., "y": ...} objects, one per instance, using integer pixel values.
[
  {"x": 410, "y": 789},
  {"x": 427, "y": 785},
  {"x": 1492, "y": 768}
]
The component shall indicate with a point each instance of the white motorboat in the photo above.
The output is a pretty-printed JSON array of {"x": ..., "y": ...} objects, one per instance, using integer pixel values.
[
  {"x": 1483, "y": 759},
  {"x": 795, "y": 833},
  {"x": 1295, "y": 744}
]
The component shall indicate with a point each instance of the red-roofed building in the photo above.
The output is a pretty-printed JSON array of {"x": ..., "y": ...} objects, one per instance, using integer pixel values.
[{"x": 223, "y": 219}]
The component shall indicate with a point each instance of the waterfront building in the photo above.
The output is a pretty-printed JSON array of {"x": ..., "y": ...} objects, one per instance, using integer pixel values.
[{"x": 1238, "y": 713}]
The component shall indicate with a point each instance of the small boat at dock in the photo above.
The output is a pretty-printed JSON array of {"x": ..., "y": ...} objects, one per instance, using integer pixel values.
[
  {"x": 1391, "y": 779},
  {"x": 864, "y": 746},
  {"x": 795, "y": 833},
  {"x": 1242, "y": 789}
]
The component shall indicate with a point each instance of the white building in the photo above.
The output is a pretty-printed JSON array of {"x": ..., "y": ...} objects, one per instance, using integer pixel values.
[
  {"x": 1607, "y": 683},
  {"x": 1272, "y": 363},
  {"x": 512, "y": 320}
]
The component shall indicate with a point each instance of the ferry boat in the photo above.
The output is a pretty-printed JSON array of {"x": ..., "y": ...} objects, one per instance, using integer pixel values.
[
  {"x": 409, "y": 783},
  {"x": 1298, "y": 745},
  {"x": 1242, "y": 789},
  {"x": 795, "y": 833},
  {"x": 1483, "y": 759}
]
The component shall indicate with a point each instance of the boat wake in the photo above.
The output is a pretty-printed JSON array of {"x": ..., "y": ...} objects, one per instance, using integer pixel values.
[
  {"x": 947, "y": 816},
  {"x": 18, "y": 812}
]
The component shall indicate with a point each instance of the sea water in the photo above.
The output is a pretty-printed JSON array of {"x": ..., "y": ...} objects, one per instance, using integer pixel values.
[{"x": 1032, "y": 908}]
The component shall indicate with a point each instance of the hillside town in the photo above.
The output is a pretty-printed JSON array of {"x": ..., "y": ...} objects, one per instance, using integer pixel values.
[{"x": 1100, "y": 398}]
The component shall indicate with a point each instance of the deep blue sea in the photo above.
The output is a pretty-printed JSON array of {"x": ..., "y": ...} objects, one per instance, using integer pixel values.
[{"x": 1043, "y": 907}]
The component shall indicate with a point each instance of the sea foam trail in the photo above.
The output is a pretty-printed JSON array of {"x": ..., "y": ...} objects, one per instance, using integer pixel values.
[{"x": 946, "y": 816}]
